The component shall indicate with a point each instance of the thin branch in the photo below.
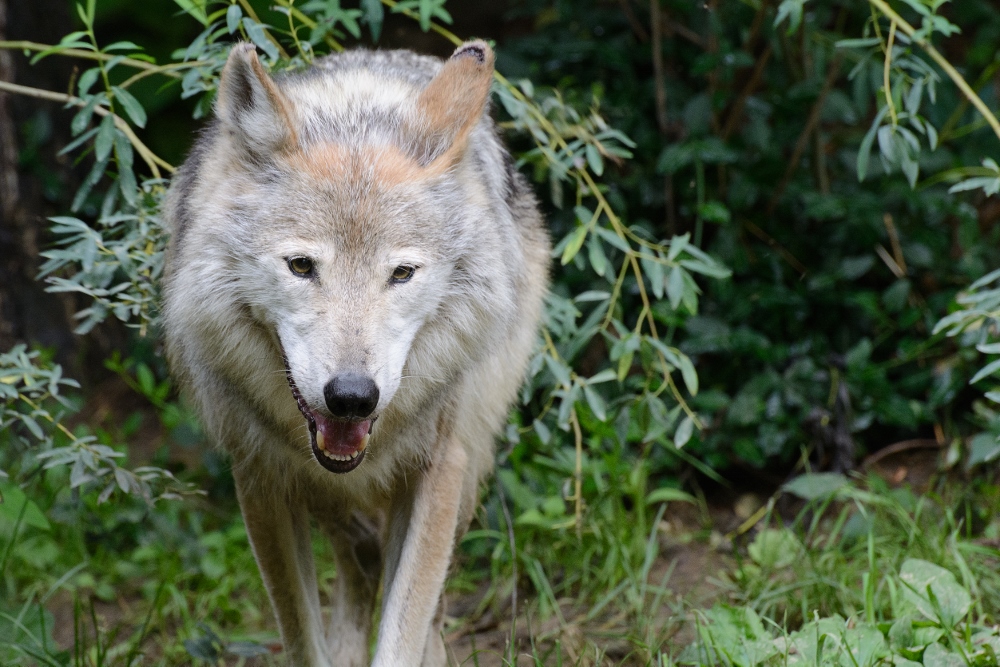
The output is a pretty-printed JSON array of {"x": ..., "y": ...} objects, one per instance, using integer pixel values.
[
  {"x": 637, "y": 29},
  {"x": 153, "y": 161},
  {"x": 777, "y": 247},
  {"x": 945, "y": 133},
  {"x": 942, "y": 62},
  {"x": 166, "y": 70},
  {"x": 811, "y": 124},
  {"x": 661, "y": 91},
  {"x": 310, "y": 23},
  {"x": 885, "y": 74},
  {"x": 748, "y": 90}
]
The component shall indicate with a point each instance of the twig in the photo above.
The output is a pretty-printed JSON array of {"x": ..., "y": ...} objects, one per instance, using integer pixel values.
[
  {"x": 887, "y": 66},
  {"x": 897, "y": 249},
  {"x": 661, "y": 105},
  {"x": 687, "y": 33},
  {"x": 661, "y": 91},
  {"x": 942, "y": 62},
  {"x": 152, "y": 160},
  {"x": 811, "y": 124},
  {"x": 904, "y": 446},
  {"x": 309, "y": 23},
  {"x": 637, "y": 29},
  {"x": 945, "y": 133},
  {"x": 889, "y": 261},
  {"x": 755, "y": 78},
  {"x": 777, "y": 247},
  {"x": 166, "y": 70},
  {"x": 91, "y": 55}
]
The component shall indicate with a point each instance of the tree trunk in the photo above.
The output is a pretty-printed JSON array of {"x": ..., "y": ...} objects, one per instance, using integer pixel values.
[{"x": 34, "y": 183}]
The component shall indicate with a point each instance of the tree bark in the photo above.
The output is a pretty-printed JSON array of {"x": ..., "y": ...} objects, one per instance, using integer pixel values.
[{"x": 34, "y": 183}]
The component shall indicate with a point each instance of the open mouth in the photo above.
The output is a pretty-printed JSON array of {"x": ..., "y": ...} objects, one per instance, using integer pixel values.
[{"x": 338, "y": 445}]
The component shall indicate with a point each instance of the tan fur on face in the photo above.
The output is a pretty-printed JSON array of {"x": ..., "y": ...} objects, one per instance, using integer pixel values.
[{"x": 385, "y": 165}]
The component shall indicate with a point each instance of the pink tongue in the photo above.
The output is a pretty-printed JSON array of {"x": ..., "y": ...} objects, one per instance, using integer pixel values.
[{"x": 342, "y": 437}]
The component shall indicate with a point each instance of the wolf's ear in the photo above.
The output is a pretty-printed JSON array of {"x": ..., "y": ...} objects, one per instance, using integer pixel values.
[
  {"x": 453, "y": 102},
  {"x": 251, "y": 106}
]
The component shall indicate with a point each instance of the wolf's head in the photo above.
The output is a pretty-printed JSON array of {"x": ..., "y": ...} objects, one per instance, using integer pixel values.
[{"x": 355, "y": 201}]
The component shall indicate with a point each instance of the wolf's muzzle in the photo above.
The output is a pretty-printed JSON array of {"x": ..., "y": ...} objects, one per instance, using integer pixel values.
[{"x": 351, "y": 396}]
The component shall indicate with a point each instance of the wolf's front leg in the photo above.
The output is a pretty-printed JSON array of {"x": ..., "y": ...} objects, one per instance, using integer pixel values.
[
  {"x": 415, "y": 573},
  {"x": 357, "y": 546},
  {"x": 278, "y": 528}
]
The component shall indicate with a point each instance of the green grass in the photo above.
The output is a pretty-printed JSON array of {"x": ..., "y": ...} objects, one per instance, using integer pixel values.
[{"x": 121, "y": 583}]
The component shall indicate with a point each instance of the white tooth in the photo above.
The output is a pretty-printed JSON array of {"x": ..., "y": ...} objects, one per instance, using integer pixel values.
[
  {"x": 356, "y": 454},
  {"x": 320, "y": 440},
  {"x": 364, "y": 442}
]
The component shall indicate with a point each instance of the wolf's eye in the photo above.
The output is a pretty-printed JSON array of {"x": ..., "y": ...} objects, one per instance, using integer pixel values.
[
  {"x": 300, "y": 266},
  {"x": 402, "y": 273}
]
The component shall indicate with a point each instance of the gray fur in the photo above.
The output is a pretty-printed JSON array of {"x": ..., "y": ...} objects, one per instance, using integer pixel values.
[{"x": 342, "y": 164}]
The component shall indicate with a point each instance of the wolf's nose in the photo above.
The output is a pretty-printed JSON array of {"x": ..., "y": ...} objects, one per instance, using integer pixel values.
[{"x": 351, "y": 396}]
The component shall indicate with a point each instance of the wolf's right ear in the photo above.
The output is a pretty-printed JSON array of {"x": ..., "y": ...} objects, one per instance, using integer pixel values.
[
  {"x": 454, "y": 101},
  {"x": 251, "y": 106}
]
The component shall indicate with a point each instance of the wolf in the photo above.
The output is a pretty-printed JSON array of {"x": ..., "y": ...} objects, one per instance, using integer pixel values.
[{"x": 352, "y": 291}]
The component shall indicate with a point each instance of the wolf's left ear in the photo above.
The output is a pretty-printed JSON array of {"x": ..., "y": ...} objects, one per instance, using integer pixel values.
[
  {"x": 453, "y": 102},
  {"x": 251, "y": 106}
]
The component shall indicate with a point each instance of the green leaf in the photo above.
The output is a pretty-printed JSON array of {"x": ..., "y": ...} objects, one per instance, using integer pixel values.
[
  {"x": 668, "y": 494},
  {"x": 573, "y": 244},
  {"x": 14, "y": 501},
  {"x": 683, "y": 433},
  {"x": 594, "y": 160},
  {"x": 607, "y": 375},
  {"x": 196, "y": 8},
  {"x": 983, "y": 448},
  {"x": 595, "y": 402},
  {"x": 688, "y": 373},
  {"x": 988, "y": 369},
  {"x": 122, "y": 46},
  {"x": 677, "y": 245},
  {"x": 87, "y": 80},
  {"x": 147, "y": 383},
  {"x": 559, "y": 370},
  {"x": 775, "y": 548},
  {"x": 131, "y": 106},
  {"x": 714, "y": 211},
  {"x": 233, "y": 16},
  {"x": 374, "y": 17},
  {"x": 675, "y": 287},
  {"x": 934, "y": 591},
  {"x": 862, "y": 43},
  {"x": 595, "y": 253},
  {"x": 864, "y": 151},
  {"x": 937, "y": 655},
  {"x": 105, "y": 138},
  {"x": 812, "y": 486},
  {"x": 257, "y": 35}
]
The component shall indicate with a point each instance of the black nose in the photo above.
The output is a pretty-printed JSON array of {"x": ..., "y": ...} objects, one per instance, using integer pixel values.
[{"x": 351, "y": 396}]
